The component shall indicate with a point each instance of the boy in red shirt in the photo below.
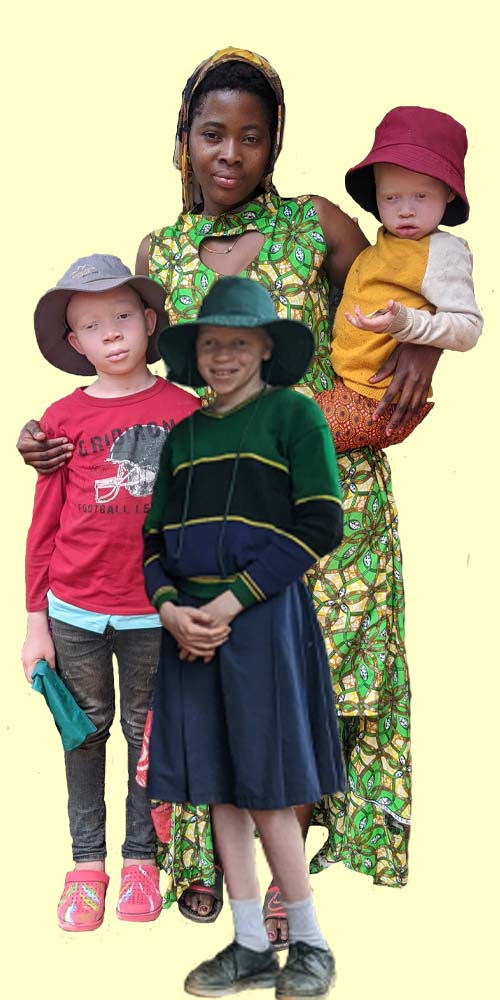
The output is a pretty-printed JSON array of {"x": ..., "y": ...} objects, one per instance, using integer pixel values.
[{"x": 83, "y": 561}]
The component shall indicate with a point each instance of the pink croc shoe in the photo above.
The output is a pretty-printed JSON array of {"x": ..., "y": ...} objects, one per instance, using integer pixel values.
[
  {"x": 140, "y": 898},
  {"x": 81, "y": 906}
]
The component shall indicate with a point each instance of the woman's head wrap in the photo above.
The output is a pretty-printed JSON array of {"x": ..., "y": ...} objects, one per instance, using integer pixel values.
[{"x": 191, "y": 193}]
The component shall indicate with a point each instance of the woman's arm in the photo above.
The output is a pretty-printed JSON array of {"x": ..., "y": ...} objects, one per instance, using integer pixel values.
[
  {"x": 142, "y": 259},
  {"x": 344, "y": 239}
]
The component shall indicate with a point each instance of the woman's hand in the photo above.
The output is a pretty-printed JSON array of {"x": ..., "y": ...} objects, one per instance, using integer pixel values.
[
  {"x": 195, "y": 631},
  {"x": 38, "y": 644},
  {"x": 412, "y": 367},
  {"x": 44, "y": 455}
]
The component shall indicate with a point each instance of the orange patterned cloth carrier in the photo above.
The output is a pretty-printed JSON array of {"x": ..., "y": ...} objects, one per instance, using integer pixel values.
[{"x": 350, "y": 419}]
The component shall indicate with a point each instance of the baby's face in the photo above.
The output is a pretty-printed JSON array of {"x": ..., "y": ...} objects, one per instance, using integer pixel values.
[{"x": 410, "y": 205}]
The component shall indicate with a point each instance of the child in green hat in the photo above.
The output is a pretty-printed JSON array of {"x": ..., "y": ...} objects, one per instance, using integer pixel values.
[{"x": 246, "y": 500}]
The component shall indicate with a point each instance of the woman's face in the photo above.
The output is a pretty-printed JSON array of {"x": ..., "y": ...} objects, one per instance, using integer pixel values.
[{"x": 229, "y": 147}]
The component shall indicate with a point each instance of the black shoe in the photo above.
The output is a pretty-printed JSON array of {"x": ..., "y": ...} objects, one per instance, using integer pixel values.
[
  {"x": 236, "y": 968},
  {"x": 308, "y": 974}
]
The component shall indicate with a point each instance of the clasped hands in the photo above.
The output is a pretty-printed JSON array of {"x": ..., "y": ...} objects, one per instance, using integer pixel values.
[{"x": 200, "y": 631}]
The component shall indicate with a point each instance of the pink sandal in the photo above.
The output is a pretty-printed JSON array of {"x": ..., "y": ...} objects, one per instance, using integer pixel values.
[
  {"x": 139, "y": 898},
  {"x": 81, "y": 906},
  {"x": 274, "y": 909}
]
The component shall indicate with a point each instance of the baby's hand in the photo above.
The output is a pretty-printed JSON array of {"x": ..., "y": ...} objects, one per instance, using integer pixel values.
[{"x": 376, "y": 322}]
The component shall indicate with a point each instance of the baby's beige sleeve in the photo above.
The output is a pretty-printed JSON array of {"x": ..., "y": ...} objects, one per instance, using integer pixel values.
[{"x": 448, "y": 286}]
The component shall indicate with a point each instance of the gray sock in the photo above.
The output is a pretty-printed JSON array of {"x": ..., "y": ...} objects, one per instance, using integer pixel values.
[
  {"x": 249, "y": 927},
  {"x": 303, "y": 924}
]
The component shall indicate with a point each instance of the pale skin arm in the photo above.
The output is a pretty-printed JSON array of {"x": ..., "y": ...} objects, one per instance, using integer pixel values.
[
  {"x": 223, "y": 609},
  {"x": 458, "y": 331},
  {"x": 414, "y": 382},
  {"x": 411, "y": 365},
  {"x": 38, "y": 644}
]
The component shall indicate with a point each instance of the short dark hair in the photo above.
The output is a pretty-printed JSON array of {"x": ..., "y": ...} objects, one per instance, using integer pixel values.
[{"x": 238, "y": 76}]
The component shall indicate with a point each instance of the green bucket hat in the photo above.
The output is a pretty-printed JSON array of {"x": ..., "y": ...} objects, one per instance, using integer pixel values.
[{"x": 239, "y": 302}]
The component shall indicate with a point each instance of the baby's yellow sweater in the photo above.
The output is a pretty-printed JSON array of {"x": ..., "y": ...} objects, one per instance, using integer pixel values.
[{"x": 432, "y": 280}]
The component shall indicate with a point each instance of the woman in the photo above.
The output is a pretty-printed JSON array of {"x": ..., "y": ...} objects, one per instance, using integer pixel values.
[{"x": 229, "y": 135}]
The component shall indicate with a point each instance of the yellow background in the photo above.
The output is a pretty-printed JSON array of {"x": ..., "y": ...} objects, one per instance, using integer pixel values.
[{"x": 92, "y": 93}]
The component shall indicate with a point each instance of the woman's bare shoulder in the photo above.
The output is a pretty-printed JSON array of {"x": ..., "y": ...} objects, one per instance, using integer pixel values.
[
  {"x": 344, "y": 238},
  {"x": 142, "y": 259}
]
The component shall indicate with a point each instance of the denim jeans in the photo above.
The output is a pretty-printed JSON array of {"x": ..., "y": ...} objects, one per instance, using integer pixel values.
[{"x": 85, "y": 663}]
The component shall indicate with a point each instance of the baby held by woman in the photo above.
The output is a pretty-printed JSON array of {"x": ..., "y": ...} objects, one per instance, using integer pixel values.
[{"x": 415, "y": 284}]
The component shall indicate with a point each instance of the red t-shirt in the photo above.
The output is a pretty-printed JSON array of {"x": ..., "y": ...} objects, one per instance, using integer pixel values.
[{"x": 85, "y": 539}]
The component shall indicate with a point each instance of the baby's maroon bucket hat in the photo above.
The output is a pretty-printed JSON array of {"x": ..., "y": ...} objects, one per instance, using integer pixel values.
[{"x": 421, "y": 139}]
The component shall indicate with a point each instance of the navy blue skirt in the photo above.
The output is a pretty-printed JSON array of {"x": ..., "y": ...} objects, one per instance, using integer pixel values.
[{"x": 256, "y": 727}]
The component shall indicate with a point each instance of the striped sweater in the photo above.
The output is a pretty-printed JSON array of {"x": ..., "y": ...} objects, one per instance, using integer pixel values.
[{"x": 245, "y": 501}]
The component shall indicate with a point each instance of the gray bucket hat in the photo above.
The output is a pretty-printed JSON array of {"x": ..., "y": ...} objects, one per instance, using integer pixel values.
[
  {"x": 97, "y": 273},
  {"x": 239, "y": 302}
]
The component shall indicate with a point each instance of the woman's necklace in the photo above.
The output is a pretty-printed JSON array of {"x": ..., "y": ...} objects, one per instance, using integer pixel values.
[{"x": 219, "y": 253}]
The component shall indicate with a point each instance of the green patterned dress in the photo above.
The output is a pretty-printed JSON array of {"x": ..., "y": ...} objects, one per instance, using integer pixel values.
[{"x": 358, "y": 591}]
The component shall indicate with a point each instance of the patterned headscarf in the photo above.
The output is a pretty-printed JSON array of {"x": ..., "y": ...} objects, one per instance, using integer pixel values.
[{"x": 191, "y": 193}]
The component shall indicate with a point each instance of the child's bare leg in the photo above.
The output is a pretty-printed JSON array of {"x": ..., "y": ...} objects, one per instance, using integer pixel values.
[
  {"x": 282, "y": 840},
  {"x": 234, "y": 832},
  {"x": 303, "y": 814},
  {"x": 283, "y": 845},
  {"x": 277, "y": 927}
]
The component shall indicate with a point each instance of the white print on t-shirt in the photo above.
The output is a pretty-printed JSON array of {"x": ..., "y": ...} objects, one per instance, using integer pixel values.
[{"x": 136, "y": 452}]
